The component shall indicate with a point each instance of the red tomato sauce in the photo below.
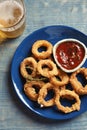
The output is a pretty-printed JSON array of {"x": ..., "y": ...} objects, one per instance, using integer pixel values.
[{"x": 70, "y": 54}]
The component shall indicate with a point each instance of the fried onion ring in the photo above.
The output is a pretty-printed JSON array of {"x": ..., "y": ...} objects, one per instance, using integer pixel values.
[
  {"x": 67, "y": 93},
  {"x": 29, "y": 63},
  {"x": 43, "y": 93},
  {"x": 76, "y": 84},
  {"x": 32, "y": 88},
  {"x": 43, "y": 54},
  {"x": 63, "y": 78},
  {"x": 52, "y": 69}
]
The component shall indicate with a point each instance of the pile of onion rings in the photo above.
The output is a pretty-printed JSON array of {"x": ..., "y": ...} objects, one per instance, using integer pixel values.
[{"x": 46, "y": 84}]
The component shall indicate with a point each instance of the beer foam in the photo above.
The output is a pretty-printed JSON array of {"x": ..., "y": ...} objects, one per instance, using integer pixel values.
[{"x": 10, "y": 13}]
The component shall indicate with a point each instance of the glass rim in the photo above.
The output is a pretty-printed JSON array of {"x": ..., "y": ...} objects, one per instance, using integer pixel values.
[{"x": 15, "y": 24}]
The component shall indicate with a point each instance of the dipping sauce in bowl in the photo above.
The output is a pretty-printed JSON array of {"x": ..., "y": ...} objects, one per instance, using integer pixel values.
[{"x": 69, "y": 54}]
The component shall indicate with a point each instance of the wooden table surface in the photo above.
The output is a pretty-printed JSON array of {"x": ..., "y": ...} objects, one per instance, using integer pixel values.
[{"x": 39, "y": 13}]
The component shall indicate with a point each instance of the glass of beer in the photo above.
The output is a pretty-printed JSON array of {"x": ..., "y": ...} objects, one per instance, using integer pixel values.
[{"x": 12, "y": 18}]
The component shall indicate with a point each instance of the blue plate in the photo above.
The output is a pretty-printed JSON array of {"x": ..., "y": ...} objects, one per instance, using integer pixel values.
[{"x": 53, "y": 34}]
